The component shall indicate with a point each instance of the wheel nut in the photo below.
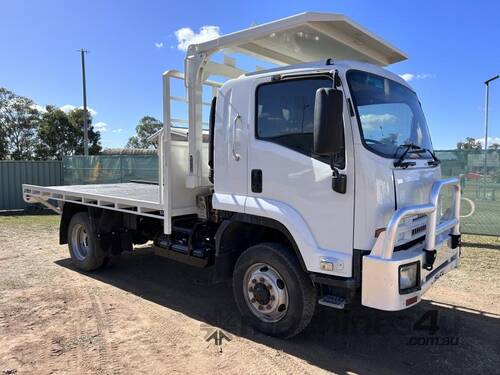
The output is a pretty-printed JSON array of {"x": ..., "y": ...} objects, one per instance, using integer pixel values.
[
  {"x": 261, "y": 280},
  {"x": 254, "y": 281},
  {"x": 268, "y": 307},
  {"x": 271, "y": 298},
  {"x": 252, "y": 300},
  {"x": 260, "y": 307},
  {"x": 269, "y": 287}
]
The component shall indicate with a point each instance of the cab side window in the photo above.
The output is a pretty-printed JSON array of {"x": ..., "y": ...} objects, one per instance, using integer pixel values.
[{"x": 285, "y": 112}]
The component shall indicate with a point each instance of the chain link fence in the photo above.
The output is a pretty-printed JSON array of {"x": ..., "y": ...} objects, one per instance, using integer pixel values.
[{"x": 480, "y": 182}]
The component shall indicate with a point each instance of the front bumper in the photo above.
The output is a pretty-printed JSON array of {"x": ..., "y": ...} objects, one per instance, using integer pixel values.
[
  {"x": 380, "y": 269},
  {"x": 380, "y": 285}
]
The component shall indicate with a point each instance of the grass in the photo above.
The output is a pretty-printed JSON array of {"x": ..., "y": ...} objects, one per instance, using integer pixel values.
[
  {"x": 486, "y": 218},
  {"x": 39, "y": 221}
]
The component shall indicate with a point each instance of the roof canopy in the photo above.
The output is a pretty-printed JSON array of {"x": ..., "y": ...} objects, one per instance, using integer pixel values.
[{"x": 306, "y": 37}]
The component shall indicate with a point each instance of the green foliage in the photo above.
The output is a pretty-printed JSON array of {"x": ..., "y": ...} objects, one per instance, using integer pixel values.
[
  {"x": 146, "y": 127},
  {"x": 4, "y": 150},
  {"x": 391, "y": 139},
  {"x": 470, "y": 143},
  {"x": 19, "y": 120},
  {"x": 76, "y": 119},
  {"x": 61, "y": 134},
  {"x": 26, "y": 132}
]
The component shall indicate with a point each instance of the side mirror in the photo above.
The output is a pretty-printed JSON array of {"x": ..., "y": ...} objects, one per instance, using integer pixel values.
[{"x": 328, "y": 121}]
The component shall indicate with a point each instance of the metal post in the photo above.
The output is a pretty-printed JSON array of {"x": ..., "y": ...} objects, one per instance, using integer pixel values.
[
  {"x": 85, "y": 115},
  {"x": 486, "y": 99}
]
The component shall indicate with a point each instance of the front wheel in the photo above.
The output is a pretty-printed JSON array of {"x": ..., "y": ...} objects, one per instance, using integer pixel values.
[{"x": 272, "y": 291}]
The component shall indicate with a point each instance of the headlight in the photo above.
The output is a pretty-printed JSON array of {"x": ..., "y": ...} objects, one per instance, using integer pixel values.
[{"x": 409, "y": 277}]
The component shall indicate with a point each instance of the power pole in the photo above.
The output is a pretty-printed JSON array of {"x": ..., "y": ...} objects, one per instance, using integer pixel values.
[
  {"x": 486, "y": 100},
  {"x": 85, "y": 114}
]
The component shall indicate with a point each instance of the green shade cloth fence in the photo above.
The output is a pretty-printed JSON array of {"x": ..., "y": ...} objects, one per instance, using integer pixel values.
[
  {"x": 480, "y": 202},
  {"x": 107, "y": 169},
  {"x": 480, "y": 191}
]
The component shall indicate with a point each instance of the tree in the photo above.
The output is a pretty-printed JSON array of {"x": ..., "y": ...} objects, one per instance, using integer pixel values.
[
  {"x": 470, "y": 143},
  {"x": 4, "y": 150},
  {"x": 19, "y": 120},
  {"x": 61, "y": 134},
  {"x": 76, "y": 118},
  {"x": 146, "y": 127},
  {"x": 391, "y": 139},
  {"x": 495, "y": 146}
]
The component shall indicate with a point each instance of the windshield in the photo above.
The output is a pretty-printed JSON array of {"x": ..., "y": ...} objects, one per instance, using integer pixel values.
[{"x": 390, "y": 115}]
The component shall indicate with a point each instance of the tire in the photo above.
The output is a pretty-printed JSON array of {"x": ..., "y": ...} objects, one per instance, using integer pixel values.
[
  {"x": 84, "y": 249},
  {"x": 272, "y": 291}
]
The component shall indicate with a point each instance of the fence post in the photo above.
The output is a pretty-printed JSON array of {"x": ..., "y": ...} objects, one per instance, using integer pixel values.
[{"x": 121, "y": 168}]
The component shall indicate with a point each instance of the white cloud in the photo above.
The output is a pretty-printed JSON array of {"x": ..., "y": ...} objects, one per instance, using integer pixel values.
[
  {"x": 491, "y": 140},
  {"x": 407, "y": 76},
  {"x": 119, "y": 130},
  {"x": 372, "y": 120},
  {"x": 69, "y": 107},
  {"x": 410, "y": 77},
  {"x": 100, "y": 126},
  {"x": 186, "y": 36},
  {"x": 39, "y": 108},
  {"x": 159, "y": 45}
]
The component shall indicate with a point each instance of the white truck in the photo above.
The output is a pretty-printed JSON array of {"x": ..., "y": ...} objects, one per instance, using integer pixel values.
[{"x": 315, "y": 182}]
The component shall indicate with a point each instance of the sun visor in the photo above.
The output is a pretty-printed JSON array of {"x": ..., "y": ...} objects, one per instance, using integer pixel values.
[{"x": 306, "y": 37}]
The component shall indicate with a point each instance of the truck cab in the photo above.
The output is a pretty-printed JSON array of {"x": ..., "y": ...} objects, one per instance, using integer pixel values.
[
  {"x": 316, "y": 182},
  {"x": 268, "y": 167}
]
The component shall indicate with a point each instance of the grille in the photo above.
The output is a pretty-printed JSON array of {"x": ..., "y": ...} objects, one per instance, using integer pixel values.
[
  {"x": 418, "y": 217},
  {"x": 418, "y": 230}
]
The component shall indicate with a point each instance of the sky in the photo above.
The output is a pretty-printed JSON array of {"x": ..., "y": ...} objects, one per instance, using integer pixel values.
[{"x": 453, "y": 47}]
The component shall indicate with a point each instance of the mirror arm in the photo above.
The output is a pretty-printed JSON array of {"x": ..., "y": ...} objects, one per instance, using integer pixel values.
[{"x": 339, "y": 180}]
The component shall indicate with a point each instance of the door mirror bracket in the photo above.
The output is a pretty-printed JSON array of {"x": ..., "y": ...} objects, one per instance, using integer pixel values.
[
  {"x": 339, "y": 180},
  {"x": 329, "y": 131}
]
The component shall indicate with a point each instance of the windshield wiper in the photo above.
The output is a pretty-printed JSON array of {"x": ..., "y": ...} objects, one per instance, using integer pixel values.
[
  {"x": 435, "y": 161},
  {"x": 400, "y": 162},
  {"x": 413, "y": 148}
]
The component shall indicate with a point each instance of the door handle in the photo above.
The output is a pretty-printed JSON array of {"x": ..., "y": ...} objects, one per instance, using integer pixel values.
[{"x": 236, "y": 156}]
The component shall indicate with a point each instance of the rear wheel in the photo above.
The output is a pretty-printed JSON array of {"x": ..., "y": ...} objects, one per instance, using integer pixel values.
[
  {"x": 272, "y": 291},
  {"x": 84, "y": 249}
]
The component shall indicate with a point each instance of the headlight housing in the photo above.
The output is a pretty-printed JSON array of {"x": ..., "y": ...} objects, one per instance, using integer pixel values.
[{"x": 409, "y": 277}]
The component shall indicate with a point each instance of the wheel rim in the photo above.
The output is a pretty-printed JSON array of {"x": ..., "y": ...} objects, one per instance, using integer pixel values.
[
  {"x": 80, "y": 242},
  {"x": 265, "y": 292}
]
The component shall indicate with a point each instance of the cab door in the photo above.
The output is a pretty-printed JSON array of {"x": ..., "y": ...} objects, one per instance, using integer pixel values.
[
  {"x": 230, "y": 151},
  {"x": 282, "y": 166}
]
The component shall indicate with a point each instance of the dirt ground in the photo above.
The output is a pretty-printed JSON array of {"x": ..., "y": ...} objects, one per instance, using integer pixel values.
[{"x": 150, "y": 315}]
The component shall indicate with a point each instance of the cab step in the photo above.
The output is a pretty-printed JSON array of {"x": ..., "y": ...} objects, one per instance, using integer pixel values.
[
  {"x": 335, "y": 302},
  {"x": 180, "y": 256}
]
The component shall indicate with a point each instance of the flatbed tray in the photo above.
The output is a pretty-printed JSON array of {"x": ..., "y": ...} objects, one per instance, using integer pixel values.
[{"x": 141, "y": 199}]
